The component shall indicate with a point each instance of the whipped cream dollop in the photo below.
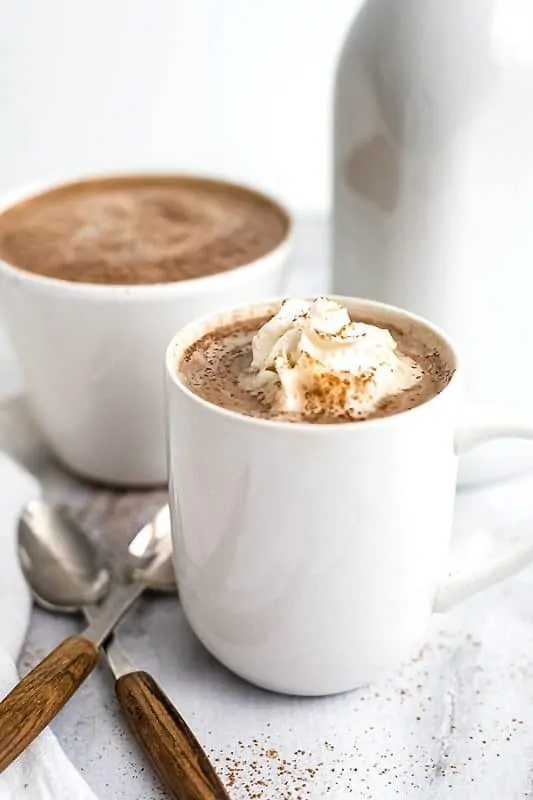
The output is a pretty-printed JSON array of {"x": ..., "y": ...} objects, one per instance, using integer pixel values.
[{"x": 311, "y": 359}]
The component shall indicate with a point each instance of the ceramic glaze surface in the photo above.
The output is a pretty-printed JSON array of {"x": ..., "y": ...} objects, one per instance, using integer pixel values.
[
  {"x": 92, "y": 356},
  {"x": 311, "y": 557},
  {"x": 433, "y": 181}
]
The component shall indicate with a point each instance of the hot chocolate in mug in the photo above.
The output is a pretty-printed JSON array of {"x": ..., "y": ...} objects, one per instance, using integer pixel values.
[
  {"x": 310, "y": 557},
  {"x": 91, "y": 352}
]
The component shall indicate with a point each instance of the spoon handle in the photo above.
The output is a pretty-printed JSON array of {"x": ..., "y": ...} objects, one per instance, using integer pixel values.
[
  {"x": 170, "y": 745},
  {"x": 41, "y": 694}
]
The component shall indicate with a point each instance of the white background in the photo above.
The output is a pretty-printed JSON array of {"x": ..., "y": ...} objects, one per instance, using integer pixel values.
[{"x": 239, "y": 87}]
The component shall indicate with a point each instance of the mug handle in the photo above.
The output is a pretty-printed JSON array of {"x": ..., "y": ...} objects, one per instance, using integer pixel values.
[{"x": 516, "y": 550}]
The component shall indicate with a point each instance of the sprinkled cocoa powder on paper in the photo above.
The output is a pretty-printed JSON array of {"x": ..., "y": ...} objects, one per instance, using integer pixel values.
[
  {"x": 420, "y": 733},
  {"x": 256, "y": 771}
]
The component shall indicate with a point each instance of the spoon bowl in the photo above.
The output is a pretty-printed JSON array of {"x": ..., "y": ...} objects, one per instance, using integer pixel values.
[
  {"x": 62, "y": 568},
  {"x": 59, "y": 564},
  {"x": 149, "y": 558}
]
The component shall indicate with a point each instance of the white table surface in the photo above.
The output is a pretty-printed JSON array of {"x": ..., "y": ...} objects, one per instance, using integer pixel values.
[{"x": 456, "y": 721}]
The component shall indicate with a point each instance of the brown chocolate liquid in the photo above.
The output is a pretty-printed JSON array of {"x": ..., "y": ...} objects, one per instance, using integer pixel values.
[
  {"x": 140, "y": 230},
  {"x": 212, "y": 366}
]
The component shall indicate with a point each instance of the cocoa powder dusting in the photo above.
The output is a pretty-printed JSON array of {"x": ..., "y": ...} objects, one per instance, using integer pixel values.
[
  {"x": 258, "y": 771},
  {"x": 140, "y": 230},
  {"x": 213, "y": 366}
]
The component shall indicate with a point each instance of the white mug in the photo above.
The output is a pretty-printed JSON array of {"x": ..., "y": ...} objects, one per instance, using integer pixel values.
[
  {"x": 310, "y": 557},
  {"x": 91, "y": 356}
]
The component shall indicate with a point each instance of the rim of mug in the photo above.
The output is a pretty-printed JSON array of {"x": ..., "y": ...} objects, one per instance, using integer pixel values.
[
  {"x": 200, "y": 326},
  {"x": 183, "y": 288}
]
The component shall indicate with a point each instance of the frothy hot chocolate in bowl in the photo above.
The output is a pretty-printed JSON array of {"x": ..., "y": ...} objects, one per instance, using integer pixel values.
[
  {"x": 311, "y": 362},
  {"x": 140, "y": 230}
]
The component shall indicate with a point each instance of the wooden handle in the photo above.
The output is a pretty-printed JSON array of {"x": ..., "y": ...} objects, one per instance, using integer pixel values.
[
  {"x": 171, "y": 747},
  {"x": 41, "y": 694}
]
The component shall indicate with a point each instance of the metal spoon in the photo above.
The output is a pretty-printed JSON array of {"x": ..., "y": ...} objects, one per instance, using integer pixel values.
[
  {"x": 61, "y": 567},
  {"x": 171, "y": 747},
  {"x": 40, "y": 695},
  {"x": 154, "y": 539}
]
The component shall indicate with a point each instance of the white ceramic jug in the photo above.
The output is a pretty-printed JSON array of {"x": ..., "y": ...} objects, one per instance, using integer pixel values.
[{"x": 433, "y": 183}]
